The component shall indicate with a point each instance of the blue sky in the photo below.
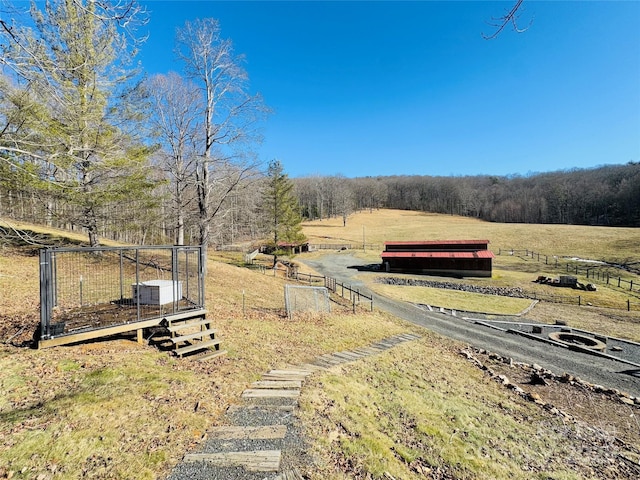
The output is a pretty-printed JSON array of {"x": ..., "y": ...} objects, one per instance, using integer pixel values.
[{"x": 412, "y": 88}]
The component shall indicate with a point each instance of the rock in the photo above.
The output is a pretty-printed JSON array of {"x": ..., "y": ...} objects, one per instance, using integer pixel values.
[
  {"x": 537, "y": 379},
  {"x": 627, "y": 401},
  {"x": 565, "y": 378},
  {"x": 534, "y": 397}
]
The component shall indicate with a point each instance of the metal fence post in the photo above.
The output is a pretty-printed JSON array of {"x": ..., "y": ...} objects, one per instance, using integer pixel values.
[
  {"x": 45, "y": 297},
  {"x": 137, "y": 299}
]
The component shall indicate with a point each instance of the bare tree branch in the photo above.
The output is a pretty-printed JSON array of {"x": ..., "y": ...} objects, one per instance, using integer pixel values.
[{"x": 511, "y": 17}]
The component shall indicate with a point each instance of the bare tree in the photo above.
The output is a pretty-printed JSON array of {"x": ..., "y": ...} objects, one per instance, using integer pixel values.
[
  {"x": 229, "y": 117},
  {"x": 344, "y": 198},
  {"x": 511, "y": 17},
  {"x": 176, "y": 123}
]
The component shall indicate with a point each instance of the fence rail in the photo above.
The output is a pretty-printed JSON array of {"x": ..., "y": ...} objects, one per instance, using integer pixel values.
[
  {"x": 355, "y": 296},
  {"x": 345, "y": 291},
  {"x": 343, "y": 246},
  {"x": 597, "y": 272}
]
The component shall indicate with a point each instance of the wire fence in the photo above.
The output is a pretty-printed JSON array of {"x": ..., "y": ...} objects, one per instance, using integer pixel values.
[
  {"x": 348, "y": 292},
  {"x": 299, "y": 299},
  {"x": 84, "y": 289},
  {"x": 343, "y": 246}
]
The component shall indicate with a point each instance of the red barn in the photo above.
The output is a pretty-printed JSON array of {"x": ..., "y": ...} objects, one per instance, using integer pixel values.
[{"x": 461, "y": 258}]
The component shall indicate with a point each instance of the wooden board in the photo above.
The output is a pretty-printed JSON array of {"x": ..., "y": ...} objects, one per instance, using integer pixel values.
[
  {"x": 116, "y": 329},
  {"x": 248, "y": 433},
  {"x": 253, "y": 460},
  {"x": 283, "y": 378},
  {"x": 268, "y": 393},
  {"x": 293, "y": 372},
  {"x": 277, "y": 384}
]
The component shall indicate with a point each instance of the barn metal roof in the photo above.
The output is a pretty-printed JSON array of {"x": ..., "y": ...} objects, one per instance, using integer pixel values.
[
  {"x": 440, "y": 254},
  {"x": 438, "y": 242}
]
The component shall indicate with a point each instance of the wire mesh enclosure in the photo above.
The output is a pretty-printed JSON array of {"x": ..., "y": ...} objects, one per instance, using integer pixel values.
[
  {"x": 300, "y": 299},
  {"x": 85, "y": 289}
]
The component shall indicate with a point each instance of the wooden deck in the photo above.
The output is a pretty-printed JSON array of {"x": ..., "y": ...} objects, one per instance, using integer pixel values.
[{"x": 108, "y": 331}]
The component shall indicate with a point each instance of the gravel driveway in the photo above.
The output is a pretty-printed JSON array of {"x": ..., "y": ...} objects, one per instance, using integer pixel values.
[{"x": 594, "y": 369}]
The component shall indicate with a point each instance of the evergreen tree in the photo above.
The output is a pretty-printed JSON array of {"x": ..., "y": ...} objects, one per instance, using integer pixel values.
[
  {"x": 281, "y": 209},
  {"x": 74, "y": 64}
]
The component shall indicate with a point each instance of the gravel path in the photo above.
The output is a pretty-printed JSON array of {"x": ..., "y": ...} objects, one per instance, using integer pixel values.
[{"x": 243, "y": 450}]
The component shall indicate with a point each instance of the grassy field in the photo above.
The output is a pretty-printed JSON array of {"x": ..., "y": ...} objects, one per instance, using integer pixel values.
[
  {"x": 596, "y": 243},
  {"x": 116, "y": 409}
]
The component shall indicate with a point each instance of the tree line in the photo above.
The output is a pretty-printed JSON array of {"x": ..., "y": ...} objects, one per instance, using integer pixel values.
[{"x": 607, "y": 195}]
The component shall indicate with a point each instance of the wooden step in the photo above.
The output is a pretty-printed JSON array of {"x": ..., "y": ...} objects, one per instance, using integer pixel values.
[
  {"x": 191, "y": 336},
  {"x": 181, "y": 326},
  {"x": 270, "y": 393},
  {"x": 277, "y": 384},
  {"x": 186, "y": 315},
  {"x": 289, "y": 474},
  {"x": 267, "y": 432},
  {"x": 196, "y": 346},
  {"x": 253, "y": 461},
  {"x": 294, "y": 371},
  {"x": 278, "y": 377},
  {"x": 211, "y": 354}
]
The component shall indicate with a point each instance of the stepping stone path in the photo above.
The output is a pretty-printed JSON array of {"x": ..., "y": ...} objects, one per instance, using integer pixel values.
[{"x": 263, "y": 440}]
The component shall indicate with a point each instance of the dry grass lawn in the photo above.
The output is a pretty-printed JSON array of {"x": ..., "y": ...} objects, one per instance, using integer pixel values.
[{"x": 116, "y": 409}]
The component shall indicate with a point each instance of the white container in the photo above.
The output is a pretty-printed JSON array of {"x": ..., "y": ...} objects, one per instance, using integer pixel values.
[{"x": 157, "y": 292}]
